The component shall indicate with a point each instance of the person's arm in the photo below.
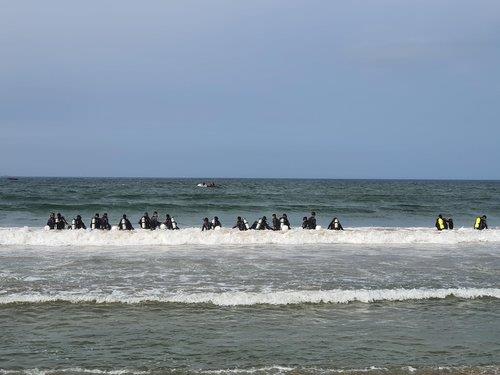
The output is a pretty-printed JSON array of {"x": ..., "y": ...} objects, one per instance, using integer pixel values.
[{"x": 341, "y": 227}]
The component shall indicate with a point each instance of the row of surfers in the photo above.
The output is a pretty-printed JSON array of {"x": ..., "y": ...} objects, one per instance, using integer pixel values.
[{"x": 58, "y": 221}]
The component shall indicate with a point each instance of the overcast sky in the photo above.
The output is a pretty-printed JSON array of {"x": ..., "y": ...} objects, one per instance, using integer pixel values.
[{"x": 333, "y": 89}]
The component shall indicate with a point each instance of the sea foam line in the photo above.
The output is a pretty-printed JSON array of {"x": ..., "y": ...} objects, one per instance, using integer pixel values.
[
  {"x": 241, "y": 298},
  {"x": 193, "y": 236}
]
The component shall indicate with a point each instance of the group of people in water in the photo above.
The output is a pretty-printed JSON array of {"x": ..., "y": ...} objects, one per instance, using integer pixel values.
[
  {"x": 57, "y": 221},
  {"x": 443, "y": 223}
]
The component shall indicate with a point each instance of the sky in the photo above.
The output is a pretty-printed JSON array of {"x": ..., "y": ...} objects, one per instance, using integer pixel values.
[{"x": 293, "y": 89}]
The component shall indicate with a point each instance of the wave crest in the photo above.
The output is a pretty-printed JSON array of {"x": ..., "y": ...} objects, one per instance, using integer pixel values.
[
  {"x": 241, "y": 298},
  {"x": 193, "y": 236}
]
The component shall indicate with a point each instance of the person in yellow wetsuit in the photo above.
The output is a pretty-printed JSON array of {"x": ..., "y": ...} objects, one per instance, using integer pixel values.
[
  {"x": 480, "y": 223},
  {"x": 441, "y": 223}
]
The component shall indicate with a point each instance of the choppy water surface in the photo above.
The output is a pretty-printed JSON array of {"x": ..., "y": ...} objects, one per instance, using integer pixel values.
[{"x": 383, "y": 297}]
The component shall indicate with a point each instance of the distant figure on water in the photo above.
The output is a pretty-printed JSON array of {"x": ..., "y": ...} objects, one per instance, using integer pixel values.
[
  {"x": 145, "y": 221},
  {"x": 335, "y": 224},
  {"x": 216, "y": 223},
  {"x": 155, "y": 221},
  {"x": 261, "y": 224},
  {"x": 207, "y": 225},
  {"x": 125, "y": 223},
  {"x": 168, "y": 222},
  {"x": 450, "y": 223},
  {"x": 276, "y": 222},
  {"x": 441, "y": 223},
  {"x": 284, "y": 222},
  {"x": 60, "y": 222},
  {"x": 480, "y": 223},
  {"x": 95, "y": 223},
  {"x": 240, "y": 224},
  {"x": 51, "y": 222},
  {"x": 305, "y": 223},
  {"x": 105, "y": 222},
  {"x": 311, "y": 222},
  {"x": 77, "y": 223}
]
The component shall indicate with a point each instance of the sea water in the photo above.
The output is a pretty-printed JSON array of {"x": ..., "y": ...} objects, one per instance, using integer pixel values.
[{"x": 389, "y": 295}]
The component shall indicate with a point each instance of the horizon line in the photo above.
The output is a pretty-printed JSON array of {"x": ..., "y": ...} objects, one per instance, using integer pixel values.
[{"x": 262, "y": 178}]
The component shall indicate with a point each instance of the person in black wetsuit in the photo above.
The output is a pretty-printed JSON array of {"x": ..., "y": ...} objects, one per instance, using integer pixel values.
[
  {"x": 168, "y": 222},
  {"x": 240, "y": 224},
  {"x": 284, "y": 221},
  {"x": 125, "y": 224},
  {"x": 261, "y": 224},
  {"x": 60, "y": 222},
  {"x": 207, "y": 225},
  {"x": 449, "y": 221},
  {"x": 216, "y": 223},
  {"x": 311, "y": 222},
  {"x": 155, "y": 221},
  {"x": 104, "y": 222},
  {"x": 335, "y": 225},
  {"x": 51, "y": 222},
  {"x": 145, "y": 221},
  {"x": 276, "y": 222},
  {"x": 77, "y": 223},
  {"x": 305, "y": 223},
  {"x": 95, "y": 223}
]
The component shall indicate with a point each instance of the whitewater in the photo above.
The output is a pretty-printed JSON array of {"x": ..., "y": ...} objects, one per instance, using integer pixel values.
[
  {"x": 287, "y": 297},
  {"x": 194, "y": 236}
]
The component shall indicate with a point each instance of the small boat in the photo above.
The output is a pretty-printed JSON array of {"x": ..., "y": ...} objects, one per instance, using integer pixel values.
[
  {"x": 207, "y": 185},
  {"x": 12, "y": 178}
]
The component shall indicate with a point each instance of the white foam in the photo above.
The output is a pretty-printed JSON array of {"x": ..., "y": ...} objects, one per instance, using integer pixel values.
[
  {"x": 241, "y": 298},
  {"x": 193, "y": 236}
]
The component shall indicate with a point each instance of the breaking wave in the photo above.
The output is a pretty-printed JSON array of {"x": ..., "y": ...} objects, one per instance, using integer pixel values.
[
  {"x": 242, "y": 298},
  {"x": 193, "y": 236}
]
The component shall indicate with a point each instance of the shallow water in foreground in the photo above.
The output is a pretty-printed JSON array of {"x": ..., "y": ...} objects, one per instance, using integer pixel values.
[{"x": 251, "y": 309}]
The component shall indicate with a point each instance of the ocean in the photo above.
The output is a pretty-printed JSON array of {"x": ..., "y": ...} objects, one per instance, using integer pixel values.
[{"x": 388, "y": 295}]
